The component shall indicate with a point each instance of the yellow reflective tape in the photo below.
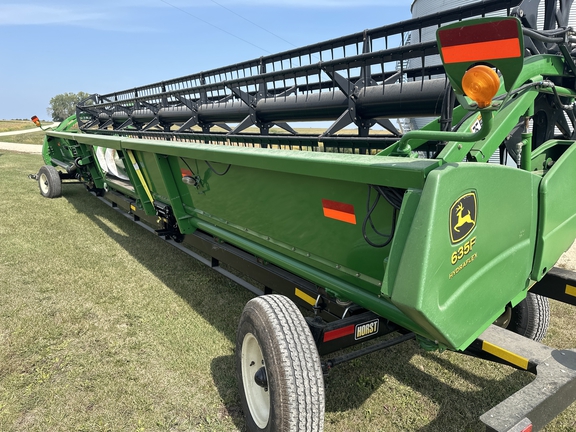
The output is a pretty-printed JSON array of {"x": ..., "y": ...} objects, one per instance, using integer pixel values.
[
  {"x": 570, "y": 290},
  {"x": 307, "y": 298},
  {"x": 140, "y": 176},
  {"x": 506, "y": 355}
]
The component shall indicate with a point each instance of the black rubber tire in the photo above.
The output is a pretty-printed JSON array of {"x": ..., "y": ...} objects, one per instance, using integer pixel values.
[
  {"x": 49, "y": 182},
  {"x": 295, "y": 383},
  {"x": 531, "y": 317}
]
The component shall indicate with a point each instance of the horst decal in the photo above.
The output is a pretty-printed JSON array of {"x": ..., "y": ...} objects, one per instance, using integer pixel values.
[
  {"x": 366, "y": 329},
  {"x": 339, "y": 211},
  {"x": 462, "y": 217}
]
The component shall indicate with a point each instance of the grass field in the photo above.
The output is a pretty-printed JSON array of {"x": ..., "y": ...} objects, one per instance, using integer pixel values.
[
  {"x": 105, "y": 327},
  {"x": 18, "y": 125},
  {"x": 15, "y": 125},
  {"x": 28, "y": 138}
]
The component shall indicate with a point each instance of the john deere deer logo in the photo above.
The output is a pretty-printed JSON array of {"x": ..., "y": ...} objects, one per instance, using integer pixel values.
[{"x": 462, "y": 217}]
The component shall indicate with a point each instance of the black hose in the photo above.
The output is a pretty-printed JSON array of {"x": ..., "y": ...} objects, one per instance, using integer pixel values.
[
  {"x": 541, "y": 37},
  {"x": 216, "y": 172},
  {"x": 394, "y": 197}
]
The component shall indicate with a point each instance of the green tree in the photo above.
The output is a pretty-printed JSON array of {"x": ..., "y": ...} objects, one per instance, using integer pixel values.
[{"x": 63, "y": 105}]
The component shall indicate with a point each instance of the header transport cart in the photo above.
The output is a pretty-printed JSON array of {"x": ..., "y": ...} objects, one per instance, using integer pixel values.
[{"x": 448, "y": 234}]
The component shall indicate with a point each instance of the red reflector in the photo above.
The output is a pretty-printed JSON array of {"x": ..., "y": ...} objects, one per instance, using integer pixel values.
[
  {"x": 186, "y": 173},
  {"x": 527, "y": 428},
  {"x": 338, "y": 333},
  {"x": 339, "y": 211},
  {"x": 486, "y": 32}
]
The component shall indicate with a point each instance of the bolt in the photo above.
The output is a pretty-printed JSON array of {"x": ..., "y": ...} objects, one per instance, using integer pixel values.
[{"x": 459, "y": 146}]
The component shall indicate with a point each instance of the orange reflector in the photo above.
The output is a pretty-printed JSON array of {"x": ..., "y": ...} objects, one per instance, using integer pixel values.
[
  {"x": 480, "y": 84},
  {"x": 339, "y": 211},
  {"x": 492, "y": 50},
  {"x": 570, "y": 290}
]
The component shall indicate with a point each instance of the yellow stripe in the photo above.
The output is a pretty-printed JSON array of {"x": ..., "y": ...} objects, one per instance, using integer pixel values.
[
  {"x": 570, "y": 290},
  {"x": 140, "y": 176},
  {"x": 506, "y": 355},
  {"x": 308, "y": 299}
]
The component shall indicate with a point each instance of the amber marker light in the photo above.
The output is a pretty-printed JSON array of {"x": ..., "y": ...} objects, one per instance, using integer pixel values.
[
  {"x": 36, "y": 121},
  {"x": 480, "y": 84}
]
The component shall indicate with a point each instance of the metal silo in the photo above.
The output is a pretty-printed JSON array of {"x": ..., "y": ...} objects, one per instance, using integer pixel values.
[{"x": 426, "y": 7}]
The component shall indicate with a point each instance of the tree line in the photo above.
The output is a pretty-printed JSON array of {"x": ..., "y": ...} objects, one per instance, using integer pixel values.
[{"x": 63, "y": 105}]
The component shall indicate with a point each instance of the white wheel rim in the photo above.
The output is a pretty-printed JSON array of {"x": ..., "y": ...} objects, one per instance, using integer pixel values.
[
  {"x": 43, "y": 183},
  {"x": 258, "y": 398}
]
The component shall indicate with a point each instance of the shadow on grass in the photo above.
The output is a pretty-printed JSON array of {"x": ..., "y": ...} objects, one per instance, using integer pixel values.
[
  {"x": 174, "y": 269},
  {"x": 456, "y": 409},
  {"x": 347, "y": 387}
]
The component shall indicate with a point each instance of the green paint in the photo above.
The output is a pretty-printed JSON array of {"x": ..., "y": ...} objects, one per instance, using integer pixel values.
[{"x": 470, "y": 238}]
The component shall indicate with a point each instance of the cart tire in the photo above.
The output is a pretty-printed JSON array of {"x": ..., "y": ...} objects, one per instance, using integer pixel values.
[
  {"x": 529, "y": 318},
  {"x": 278, "y": 368},
  {"x": 49, "y": 182}
]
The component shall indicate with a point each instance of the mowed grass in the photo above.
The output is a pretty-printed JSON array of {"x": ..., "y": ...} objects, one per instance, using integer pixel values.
[{"x": 105, "y": 327}]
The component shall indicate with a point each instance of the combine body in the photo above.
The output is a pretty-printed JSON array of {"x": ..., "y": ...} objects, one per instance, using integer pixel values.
[{"x": 414, "y": 232}]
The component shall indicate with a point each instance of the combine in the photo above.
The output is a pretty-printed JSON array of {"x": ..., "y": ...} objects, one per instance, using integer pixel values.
[{"x": 447, "y": 234}]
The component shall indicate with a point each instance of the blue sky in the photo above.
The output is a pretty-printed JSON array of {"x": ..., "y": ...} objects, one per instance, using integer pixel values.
[{"x": 57, "y": 46}]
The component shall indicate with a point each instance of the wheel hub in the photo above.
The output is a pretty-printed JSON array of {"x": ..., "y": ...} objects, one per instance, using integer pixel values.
[
  {"x": 255, "y": 381},
  {"x": 43, "y": 183},
  {"x": 261, "y": 379}
]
